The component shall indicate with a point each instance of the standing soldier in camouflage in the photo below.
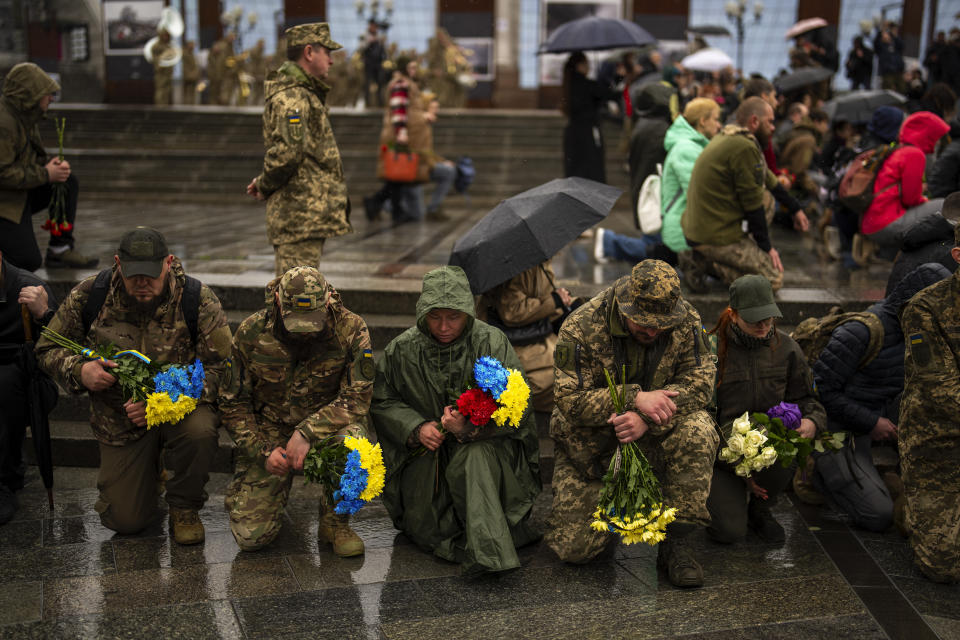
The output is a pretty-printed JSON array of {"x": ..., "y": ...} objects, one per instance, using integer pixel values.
[
  {"x": 191, "y": 74},
  {"x": 257, "y": 68},
  {"x": 162, "y": 73},
  {"x": 929, "y": 434},
  {"x": 302, "y": 179},
  {"x": 146, "y": 302},
  {"x": 302, "y": 370},
  {"x": 215, "y": 70},
  {"x": 643, "y": 323}
]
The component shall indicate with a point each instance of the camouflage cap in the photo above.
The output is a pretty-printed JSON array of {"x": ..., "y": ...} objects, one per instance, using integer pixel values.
[
  {"x": 313, "y": 33},
  {"x": 303, "y": 300},
  {"x": 650, "y": 295},
  {"x": 142, "y": 252}
]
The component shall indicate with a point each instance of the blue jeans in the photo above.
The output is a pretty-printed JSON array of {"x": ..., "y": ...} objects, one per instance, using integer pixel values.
[
  {"x": 443, "y": 175},
  {"x": 620, "y": 247}
]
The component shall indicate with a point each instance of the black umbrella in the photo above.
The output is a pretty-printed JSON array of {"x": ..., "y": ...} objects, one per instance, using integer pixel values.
[
  {"x": 802, "y": 77},
  {"x": 529, "y": 228},
  {"x": 37, "y": 407},
  {"x": 709, "y": 30},
  {"x": 594, "y": 34},
  {"x": 858, "y": 106}
]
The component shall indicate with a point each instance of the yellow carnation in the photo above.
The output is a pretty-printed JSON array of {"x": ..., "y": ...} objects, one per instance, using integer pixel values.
[
  {"x": 161, "y": 409},
  {"x": 371, "y": 459},
  {"x": 513, "y": 401}
]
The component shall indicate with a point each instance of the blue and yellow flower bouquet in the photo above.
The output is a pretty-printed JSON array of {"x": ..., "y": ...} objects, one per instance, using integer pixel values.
[{"x": 350, "y": 469}]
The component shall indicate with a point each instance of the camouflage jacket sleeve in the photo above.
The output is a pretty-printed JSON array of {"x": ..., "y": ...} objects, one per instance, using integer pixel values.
[
  {"x": 694, "y": 371},
  {"x": 352, "y": 404},
  {"x": 579, "y": 387},
  {"x": 285, "y": 150},
  {"x": 213, "y": 342},
  {"x": 16, "y": 170},
  {"x": 236, "y": 393},
  {"x": 60, "y": 363},
  {"x": 931, "y": 369}
]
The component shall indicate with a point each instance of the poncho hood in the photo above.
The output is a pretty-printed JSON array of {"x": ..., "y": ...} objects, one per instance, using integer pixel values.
[
  {"x": 445, "y": 288},
  {"x": 26, "y": 84}
]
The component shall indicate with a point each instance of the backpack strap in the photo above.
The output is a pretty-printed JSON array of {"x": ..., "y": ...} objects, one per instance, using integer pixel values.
[
  {"x": 190, "y": 305},
  {"x": 98, "y": 294}
]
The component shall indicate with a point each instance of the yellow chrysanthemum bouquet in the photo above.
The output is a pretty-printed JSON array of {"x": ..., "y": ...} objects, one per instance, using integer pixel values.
[
  {"x": 631, "y": 503},
  {"x": 175, "y": 388},
  {"x": 350, "y": 469}
]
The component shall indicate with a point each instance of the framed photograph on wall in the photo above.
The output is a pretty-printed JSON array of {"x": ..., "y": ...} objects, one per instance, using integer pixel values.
[
  {"x": 129, "y": 25},
  {"x": 479, "y": 52}
]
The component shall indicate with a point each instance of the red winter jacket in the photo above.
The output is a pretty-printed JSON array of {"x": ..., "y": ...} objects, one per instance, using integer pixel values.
[{"x": 904, "y": 171}]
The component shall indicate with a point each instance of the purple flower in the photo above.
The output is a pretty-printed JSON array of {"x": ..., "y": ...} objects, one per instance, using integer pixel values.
[{"x": 788, "y": 413}]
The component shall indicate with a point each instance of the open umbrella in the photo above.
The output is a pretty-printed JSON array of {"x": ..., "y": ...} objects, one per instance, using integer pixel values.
[
  {"x": 529, "y": 228},
  {"x": 858, "y": 106},
  {"x": 37, "y": 406},
  {"x": 594, "y": 34},
  {"x": 709, "y": 30},
  {"x": 709, "y": 59},
  {"x": 802, "y": 77},
  {"x": 804, "y": 26}
]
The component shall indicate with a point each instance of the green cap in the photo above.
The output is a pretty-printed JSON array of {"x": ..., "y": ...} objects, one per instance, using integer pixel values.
[
  {"x": 304, "y": 297},
  {"x": 650, "y": 295},
  {"x": 752, "y": 297},
  {"x": 312, "y": 33},
  {"x": 142, "y": 252}
]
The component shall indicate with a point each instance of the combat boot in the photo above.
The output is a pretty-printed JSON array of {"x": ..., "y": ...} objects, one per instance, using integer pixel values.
[
  {"x": 185, "y": 526},
  {"x": 761, "y": 522},
  {"x": 803, "y": 484},
  {"x": 336, "y": 530},
  {"x": 69, "y": 259},
  {"x": 674, "y": 557}
]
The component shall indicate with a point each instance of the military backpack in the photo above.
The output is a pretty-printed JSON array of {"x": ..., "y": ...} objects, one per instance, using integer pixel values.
[
  {"x": 813, "y": 334},
  {"x": 189, "y": 303}
]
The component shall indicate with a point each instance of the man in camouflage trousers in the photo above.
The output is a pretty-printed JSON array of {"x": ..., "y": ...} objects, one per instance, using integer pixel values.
[
  {"x": 929, "y": 434},
  {"x": 302, "y": 370},
  {"x": 162, "y": 70},
  {"x": 302, "y": 179},
  {"x": 641, "y": 322},
  {"x": 144, "y": 308}
]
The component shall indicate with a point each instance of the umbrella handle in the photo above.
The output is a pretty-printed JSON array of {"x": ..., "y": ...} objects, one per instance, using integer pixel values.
[{"x": 27, "y": 322}]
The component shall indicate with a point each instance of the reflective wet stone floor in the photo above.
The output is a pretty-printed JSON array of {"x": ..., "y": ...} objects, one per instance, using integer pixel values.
[{"x": 64, "y": 576}]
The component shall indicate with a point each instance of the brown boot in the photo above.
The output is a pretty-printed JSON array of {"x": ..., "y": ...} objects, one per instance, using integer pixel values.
[
  {"x": 336, "y": 530},
  {"x": 803, "y": 485},
  {"x": 186, "y": 526}
]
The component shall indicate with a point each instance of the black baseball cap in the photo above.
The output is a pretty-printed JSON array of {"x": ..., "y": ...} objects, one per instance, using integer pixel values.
[{"x": 142, "y": 252}]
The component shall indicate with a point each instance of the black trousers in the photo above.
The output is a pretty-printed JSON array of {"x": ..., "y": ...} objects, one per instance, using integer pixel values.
[
  {"x": 18, "y": 241},
  {"x": 14, "y": 417}
]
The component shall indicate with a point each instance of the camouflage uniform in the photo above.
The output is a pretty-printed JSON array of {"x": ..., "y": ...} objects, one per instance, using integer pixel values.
[
  {"x": 595, "y": 338},
  {"x": 302, "y": 177},
  {"x": 929, "y": 433},
  {"x": 272, "y": 391},
  {"x": 130, "y": 454},
  {"x": 162, "y": 76}
]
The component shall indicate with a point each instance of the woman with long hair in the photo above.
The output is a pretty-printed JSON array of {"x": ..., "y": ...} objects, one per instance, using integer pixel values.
[
  {"x": 758, "y": 367},
  {"x": 581, "y": 101}
]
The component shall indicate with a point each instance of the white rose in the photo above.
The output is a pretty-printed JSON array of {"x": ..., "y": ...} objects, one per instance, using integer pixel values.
[
  {"x": 742, "y": 424},
  {"x": 757, "y": 463},
  {"x": 769, "y": 455},
  {"x": 755, "y": 438},
  {"x": 728, "y": 456},
  {"x": 736, "y": 443},
  {"x": 749, "y": 451},
  {"x": 743, "y": 469}
]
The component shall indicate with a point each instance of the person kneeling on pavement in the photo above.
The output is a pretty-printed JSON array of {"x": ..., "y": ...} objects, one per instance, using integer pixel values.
[
  {"x": 641, "y": 323},
  {"x": 19, "y": 289},
  {"x": 302, "y": 371},
  {"x": 862, "y": 396},
  {"x": 461, "y": 491},
  {"x": 758, "y": 367},
  {"x": 146, "y": 302}
]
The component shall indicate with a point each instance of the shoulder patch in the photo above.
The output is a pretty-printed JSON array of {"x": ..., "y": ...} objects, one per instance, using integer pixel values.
[
  {"x": 919, "y": 348},
  {"x": 563, "y": 355},
  {"x": 294, "y": 126},
  {"x": 363, "y": 368}
]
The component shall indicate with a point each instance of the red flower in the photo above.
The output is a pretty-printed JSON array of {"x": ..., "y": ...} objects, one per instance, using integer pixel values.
[
  {"x": 65, "y": 226},
  {"x": 477, "y": 405},
  {"x": 55, "y": 232},
  {"x": 48, "y": 225}
]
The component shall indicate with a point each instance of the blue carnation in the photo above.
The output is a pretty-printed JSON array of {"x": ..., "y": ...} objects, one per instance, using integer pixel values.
[
  {"x": 195, "y": 387},
  {"x": 352, "y": 482},
  {"x": 491, "y": 376}
]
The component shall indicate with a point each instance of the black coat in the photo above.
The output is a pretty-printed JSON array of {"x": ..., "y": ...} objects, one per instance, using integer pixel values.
[
  {"x": 928, "y": 241},
  {"x": 943, "y": 177},
  {"x": 583, "y": 150},
  {"x": 856, "y": 397},
  {"x": 11, "y": 322}
]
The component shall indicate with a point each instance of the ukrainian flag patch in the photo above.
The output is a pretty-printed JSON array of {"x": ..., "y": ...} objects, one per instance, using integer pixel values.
[
  {"x": 304, "y": 302},
  {"x": 916, "y": 338},
  {"x": 294, "y": 119},
  {"x": 367, "y": 353}
]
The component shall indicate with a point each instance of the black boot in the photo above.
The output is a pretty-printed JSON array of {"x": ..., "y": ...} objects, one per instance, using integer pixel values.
[
  {"x": 8, "y": 504},
  {"x": 675, "y": 557},
  {"x": 762, "y": 522}
]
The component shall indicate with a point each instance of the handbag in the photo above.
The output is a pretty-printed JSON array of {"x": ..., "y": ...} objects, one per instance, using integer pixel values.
[{"x": 399, "y": 166}]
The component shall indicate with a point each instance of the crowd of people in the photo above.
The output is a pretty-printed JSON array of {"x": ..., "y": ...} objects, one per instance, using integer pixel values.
[{"x": 302, "y": 369}]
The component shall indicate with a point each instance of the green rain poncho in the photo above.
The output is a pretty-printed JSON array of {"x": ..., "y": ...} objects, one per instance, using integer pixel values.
[{"x": 468, "y": 502}]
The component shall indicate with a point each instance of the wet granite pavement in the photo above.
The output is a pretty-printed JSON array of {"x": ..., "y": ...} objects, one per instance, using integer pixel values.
[{"x": 64, "y": 576}]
